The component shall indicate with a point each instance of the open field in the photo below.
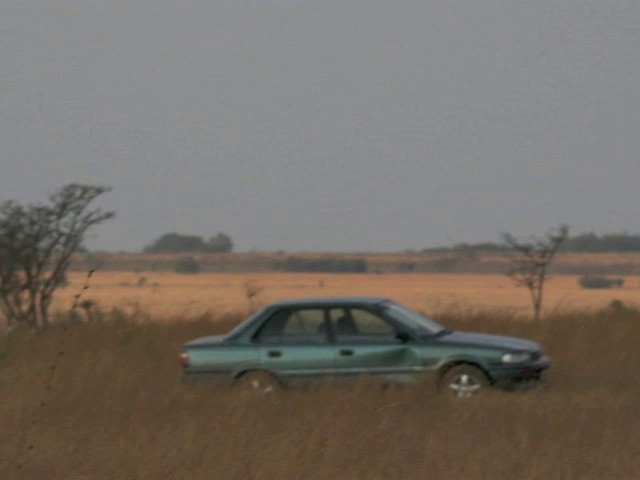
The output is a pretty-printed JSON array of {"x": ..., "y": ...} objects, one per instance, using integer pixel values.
[
  {"x": 170, "y": 294},
  {"x": 103, "y": 401}
]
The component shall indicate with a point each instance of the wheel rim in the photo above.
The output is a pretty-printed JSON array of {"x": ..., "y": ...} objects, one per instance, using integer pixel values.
[
  {"x": 257, "y": 384},
  {"x": 464, "y": 385},
  {"x": 260, "y": 386}
]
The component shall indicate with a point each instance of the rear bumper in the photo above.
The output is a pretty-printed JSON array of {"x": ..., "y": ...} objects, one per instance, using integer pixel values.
[{"x": 524, "y": 373}]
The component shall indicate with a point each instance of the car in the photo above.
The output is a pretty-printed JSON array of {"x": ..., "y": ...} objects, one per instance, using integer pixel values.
[{"x": 305, "y": 341}]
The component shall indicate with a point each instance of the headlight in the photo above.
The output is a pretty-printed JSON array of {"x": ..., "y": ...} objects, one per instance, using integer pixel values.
[{"x": 519, "y": 357}]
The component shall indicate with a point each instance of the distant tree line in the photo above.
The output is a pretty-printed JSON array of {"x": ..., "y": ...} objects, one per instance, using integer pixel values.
[
  {"x": 180, "y": 243},
  {"x": 612, "y": 242},
  {"x": 324, "y": 264},
  {"x": 186, "y": 265},
  {"x": 585, "y": 242}
]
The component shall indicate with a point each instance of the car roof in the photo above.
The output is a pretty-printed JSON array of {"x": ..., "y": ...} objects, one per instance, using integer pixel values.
[{"x": 329, "y": 301}]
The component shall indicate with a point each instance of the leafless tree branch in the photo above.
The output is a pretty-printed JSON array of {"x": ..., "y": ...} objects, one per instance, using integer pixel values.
[
  {"x": 530, "y": 260},
  {"x": 36, "y": 246}
]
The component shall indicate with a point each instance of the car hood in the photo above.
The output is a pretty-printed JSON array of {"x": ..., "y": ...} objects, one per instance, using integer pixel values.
[
  {"x": 493, "y": 341},
  {"x": 205, "y": 341}
]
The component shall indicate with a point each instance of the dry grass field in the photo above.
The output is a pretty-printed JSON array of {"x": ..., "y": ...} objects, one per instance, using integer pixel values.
[
  {"x": 103, "y": 401},
  {"x": 166, "y": 295}
]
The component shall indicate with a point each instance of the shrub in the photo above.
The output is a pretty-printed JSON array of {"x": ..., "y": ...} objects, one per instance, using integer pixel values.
[
  {"x": 187, "y": 265},
  {"x": 37, "y": 244},
  {"x": 597, "y": 282},
  {"x": 617, "y": 305},
  {"x": 407, "y": 267}
]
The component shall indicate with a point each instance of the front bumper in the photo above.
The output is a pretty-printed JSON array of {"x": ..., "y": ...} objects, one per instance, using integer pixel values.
[{"x": 524, "y": 373}]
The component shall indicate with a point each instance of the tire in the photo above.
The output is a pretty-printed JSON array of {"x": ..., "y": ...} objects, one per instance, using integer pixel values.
[
  {"x": 463, "y": 381},
  {"x": 258, "y": 382}
]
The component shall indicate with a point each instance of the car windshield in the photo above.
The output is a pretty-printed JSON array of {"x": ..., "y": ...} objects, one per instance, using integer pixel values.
[{"x": 412, "y": 320}]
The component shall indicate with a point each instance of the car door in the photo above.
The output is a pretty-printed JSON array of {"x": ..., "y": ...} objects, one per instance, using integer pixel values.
[
  {"x": 368, "y": 344},
  {"x": 294, "y": 344}
]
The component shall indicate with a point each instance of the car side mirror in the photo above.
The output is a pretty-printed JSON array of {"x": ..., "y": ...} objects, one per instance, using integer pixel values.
[{"x": 404, "y": 337}]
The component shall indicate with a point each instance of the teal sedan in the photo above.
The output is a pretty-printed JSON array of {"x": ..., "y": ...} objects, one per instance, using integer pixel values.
[{"x": 306, "y": 341}]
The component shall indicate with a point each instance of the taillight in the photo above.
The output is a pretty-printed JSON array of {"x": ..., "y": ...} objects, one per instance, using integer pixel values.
[{"x": 184, "y": 359}]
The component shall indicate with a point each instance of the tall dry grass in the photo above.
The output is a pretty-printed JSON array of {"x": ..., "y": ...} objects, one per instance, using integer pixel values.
[{"x": 115, "y": 409}]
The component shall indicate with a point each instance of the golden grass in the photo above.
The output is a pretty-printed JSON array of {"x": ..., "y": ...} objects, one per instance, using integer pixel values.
[
  {"x": 116, "y": 410},
  {"x": 170, "y": 294}
]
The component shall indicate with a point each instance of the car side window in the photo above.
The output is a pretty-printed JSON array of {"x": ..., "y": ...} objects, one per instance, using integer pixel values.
[
  {"x": 295, "y": 326},
  {"x": 360, "y": 325}
]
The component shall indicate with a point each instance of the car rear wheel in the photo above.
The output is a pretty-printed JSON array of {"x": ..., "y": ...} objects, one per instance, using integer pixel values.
[
  {"x": 463, "y": 381},
  {"x": 258, "y": 382}
]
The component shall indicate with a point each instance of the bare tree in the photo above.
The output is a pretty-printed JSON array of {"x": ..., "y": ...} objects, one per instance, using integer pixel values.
[
  {"x": 36, "y": 245},
  {"x": 530, "y": 260}
]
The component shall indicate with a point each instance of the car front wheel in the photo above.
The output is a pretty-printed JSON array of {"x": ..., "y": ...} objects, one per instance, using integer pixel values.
[
  {"x": 258, "y": 382},
  {"x": 463, "y": 381}
]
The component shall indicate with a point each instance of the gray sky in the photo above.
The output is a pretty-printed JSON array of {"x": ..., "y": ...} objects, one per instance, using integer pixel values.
[{"x": 329, "y": 124}]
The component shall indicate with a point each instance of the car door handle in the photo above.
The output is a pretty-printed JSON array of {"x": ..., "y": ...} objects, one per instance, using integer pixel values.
[
  {"x": 274, "y": 353},
  {"x": 345, "y": 352}
]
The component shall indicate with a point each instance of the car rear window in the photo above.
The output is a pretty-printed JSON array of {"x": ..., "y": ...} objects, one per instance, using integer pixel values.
[{"x": 295, "y": 326}]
